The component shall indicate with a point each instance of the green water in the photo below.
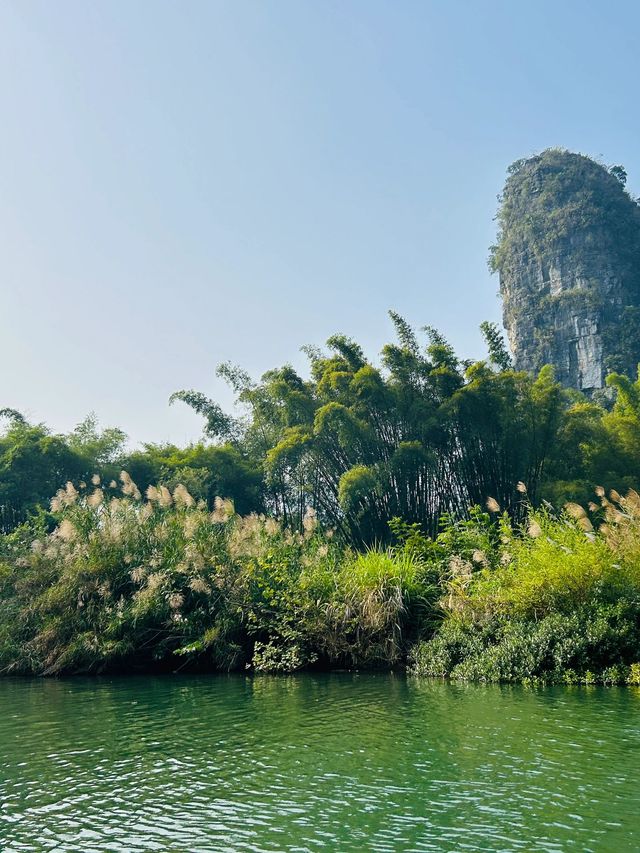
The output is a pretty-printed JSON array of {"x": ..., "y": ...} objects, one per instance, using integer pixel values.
[{"x": 315, "y": 762}]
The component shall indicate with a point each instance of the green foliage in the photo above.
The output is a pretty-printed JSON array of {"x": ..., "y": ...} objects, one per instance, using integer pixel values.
[
  {"x": 218, "y": 424},
  {"x": 558, "y": 196},
  {"x": 330, "y": 525},
  {"x": 596, "y": 445},
  {"x": 208, "y": 470},
  {"x": 421, "y": 435},
  {"x": 559, "y": 648},
  {"x": 163, "y": 583},
  {"x": 414, "y": 438},
  {"x": 123, "y": 582},
  {"x": 13, "y": 415},
  {"x": 620, "y": 173},
  {"x": 559, "y": 602},
  {"x": 357, "y": 487},
  {"x": 99, "y": 448},
  {"x": 498, "y": 353},
  {"x": 33, "y": 464}
]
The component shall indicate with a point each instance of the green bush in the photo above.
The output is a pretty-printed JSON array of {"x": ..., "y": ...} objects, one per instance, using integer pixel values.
[
  {"x": 559, "y": 601},
  {"x": 595, "y": 645}
]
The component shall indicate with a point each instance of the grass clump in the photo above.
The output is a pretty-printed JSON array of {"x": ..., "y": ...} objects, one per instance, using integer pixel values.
[
  {"x": 160, "y": 582},
  {"x": 560, "y": 602}
]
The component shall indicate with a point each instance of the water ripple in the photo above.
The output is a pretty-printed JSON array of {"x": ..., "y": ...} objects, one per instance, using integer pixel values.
[{"x": 315, "y": 763}]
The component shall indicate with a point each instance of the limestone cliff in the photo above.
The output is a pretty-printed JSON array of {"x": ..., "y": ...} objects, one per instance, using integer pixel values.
[{"x": 568, "y": 255}]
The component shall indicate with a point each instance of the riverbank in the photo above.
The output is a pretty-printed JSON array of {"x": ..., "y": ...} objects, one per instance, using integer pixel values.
[{"x": 126, "y": 583}]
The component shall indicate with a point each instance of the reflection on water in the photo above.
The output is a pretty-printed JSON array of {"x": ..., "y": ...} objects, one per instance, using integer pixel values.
[{"x": 315, "y": 762}]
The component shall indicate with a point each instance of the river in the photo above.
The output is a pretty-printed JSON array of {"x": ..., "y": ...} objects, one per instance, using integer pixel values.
[{"x": 331, "y": 762}]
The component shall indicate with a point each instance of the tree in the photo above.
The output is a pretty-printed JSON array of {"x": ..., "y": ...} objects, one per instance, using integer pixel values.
[
  {"x": 33, "y": 465},
  {"x": 208, "y": 471},
  {"x": 498, "y": 353},
  {"x": 421, "y": 435},
  {"x": 100, "y": 449}
]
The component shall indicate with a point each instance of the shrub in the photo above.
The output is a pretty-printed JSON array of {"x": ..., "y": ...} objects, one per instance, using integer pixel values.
[
  {"x": 592, "y": 646},
  {"x": 563, "y": 603}
]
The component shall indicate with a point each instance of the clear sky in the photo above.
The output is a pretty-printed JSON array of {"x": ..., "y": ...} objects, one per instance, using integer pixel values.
[{"x": 188, "y": 183}]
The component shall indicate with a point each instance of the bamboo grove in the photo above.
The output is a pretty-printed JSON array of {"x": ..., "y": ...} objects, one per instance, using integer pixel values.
[{"x": 422, "y": 435}]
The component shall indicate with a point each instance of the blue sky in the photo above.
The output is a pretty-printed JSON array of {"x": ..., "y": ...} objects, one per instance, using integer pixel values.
[{"x": 188, "y": 183}]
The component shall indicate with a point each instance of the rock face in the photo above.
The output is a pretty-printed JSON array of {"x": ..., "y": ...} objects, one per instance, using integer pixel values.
[{"x": 568, "y": 256}]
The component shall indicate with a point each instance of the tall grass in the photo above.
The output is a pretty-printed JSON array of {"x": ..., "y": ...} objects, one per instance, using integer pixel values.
[
  {"x": 124, "y": 581},
  {"x": 561, "y": 601}
]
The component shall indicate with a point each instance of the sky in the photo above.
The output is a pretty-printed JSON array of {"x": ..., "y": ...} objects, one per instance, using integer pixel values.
[{"x": 183, "y": 184}]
